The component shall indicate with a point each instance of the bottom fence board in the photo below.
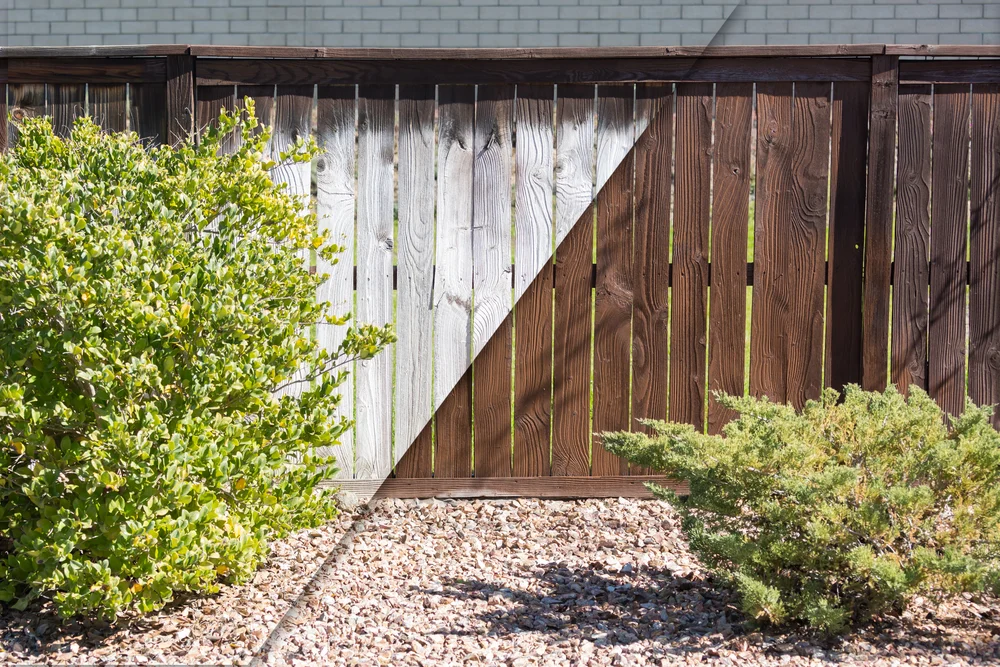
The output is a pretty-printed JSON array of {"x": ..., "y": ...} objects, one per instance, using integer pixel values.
[{"x": 509, "y": 487}]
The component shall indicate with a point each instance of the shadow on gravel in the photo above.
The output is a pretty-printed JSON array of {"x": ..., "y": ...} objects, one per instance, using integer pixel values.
[{"x": 681, "y": 616}]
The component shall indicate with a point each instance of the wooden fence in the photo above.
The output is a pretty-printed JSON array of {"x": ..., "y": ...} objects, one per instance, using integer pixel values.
[{"x": 571, "y": 239}]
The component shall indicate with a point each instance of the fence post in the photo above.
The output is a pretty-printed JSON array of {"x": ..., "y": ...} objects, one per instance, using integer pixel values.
[
  {"x": 180, "y": 98},
  {"x": 878, "y": 222}
]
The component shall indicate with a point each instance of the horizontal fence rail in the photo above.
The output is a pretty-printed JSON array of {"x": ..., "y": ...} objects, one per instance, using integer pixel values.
[{"x": 568, "y": 240}]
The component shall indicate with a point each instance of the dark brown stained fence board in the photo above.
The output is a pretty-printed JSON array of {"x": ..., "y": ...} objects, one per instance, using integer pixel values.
[
  {"x": 211, "y": 101},
  {"x": 533, "y": 223},
  {"x": 510, "y": 487},
  {"x": 103, "y": 51},
  {"x": 650, "y": 308},
  {"x": 845, "y": 259},
  {"x": 984, "y": 274},
  {"x": 263, "y": 102},
  {"x": 453, "y": 283},
  {"x": 571, "y": 434},
  {"x": 951, "y": 50},
  {"x": 559, "y": 71},
  {"x": 26, "y": 100},
  {"x": 730, "y": 217},
  {"x": 613, "y": 298},
  {"x": 492, "y": 318},
  {"x": 689, "y": 319},
  {"x": 806, "y": 242},
  {"x": 3, "y": 108},
  {"x": 949, "y": 211},
  {"x": 373, "y": 426},
  {"x": 772, "y": 218},
  {"x": 878, "y": 223},
  {"x": 106, "y": 105},
  {"x": 912, "y": 252},
  {"x": 414, "y": 319},
  {"x": 180, "y": 103},
  {"x": 87, "y": 70},
  {"x": 66, "y": 103},
  {"x": 147, "y": 111},
  {"x": 954, "y": 71}
]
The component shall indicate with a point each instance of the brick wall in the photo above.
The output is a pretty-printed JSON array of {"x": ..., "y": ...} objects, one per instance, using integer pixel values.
[{"x": 484, "y": 23}]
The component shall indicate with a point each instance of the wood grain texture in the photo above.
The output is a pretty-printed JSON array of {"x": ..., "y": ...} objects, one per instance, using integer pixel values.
[
  {"x": 376, "y": 118},
  {"x": 651, "y": 246},
  {"x": 613, "y": 293},
  {"x": 913, "y": 227},
  {"x": 511, "y": 487},
  {"x": 263, "y": 103},
  {"x": 730, "y": 216},
  {"x": 106, "y": 104},
  {"x": 453, "y": 283},
  {"x": 26, "y": 100},
  {"x": 336, "y": 127},
  {"x": 86, "y": 70},
  {"x": 845, "y": 250},
  {"x": 415, "y": 246},
  {"x": 147, "y": 112},
  {"x": 949, "y": 218},
  {"x": 211, "y": 101},
  {"x": 689, "y": 319},
  {"x": 984, "y": 274},
  {"x": 492, "y": 248},
  {"x": 949, "y": 71},
  {"x": 878, "y": 222},
  {"x": 66, "y": 103},
  {"x": 180, "y": 103},
  {"x": 4, "y": 138},
  {"x": 571, "y": 434},
  {"x": 534, "y": 225}
]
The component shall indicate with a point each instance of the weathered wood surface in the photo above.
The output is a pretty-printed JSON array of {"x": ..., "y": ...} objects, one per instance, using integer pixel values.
[
  {"x": 414, "y": 314},
  {"x": 376, "y": 118},
  {"x": 510, "y": 487},
  {"x": 912, "y": 252},
  {"x": 66, "y": 103},
  {"x": 335, "y": 196},
  {"x": 534, "y": 225},
  {"x": 949, "y": 226},
  {"x": 730, "y": 218},
  {"x": 984, "y": 274},
  {"x": 147, "y": 104},
  {"x": 26, "y": 100}
]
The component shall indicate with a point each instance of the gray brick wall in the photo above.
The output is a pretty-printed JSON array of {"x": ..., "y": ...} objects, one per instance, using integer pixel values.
[{"x": 485, "y": 23}]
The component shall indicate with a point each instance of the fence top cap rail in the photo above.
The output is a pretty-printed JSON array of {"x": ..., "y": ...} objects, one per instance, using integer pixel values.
[
  {"x": 948, "y": 50},
  {"x": 592, "y": 53},
  {"x": 115, "y": 51}
]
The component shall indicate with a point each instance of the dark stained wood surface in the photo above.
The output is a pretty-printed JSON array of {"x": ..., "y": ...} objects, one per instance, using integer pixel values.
[
  {"x": 651, "y": 304},
  {"x": 949, "y": 71},
  {"x": 26, "y": 100},
  {"x": 878, "y": 222},
  {"x": 180, "y": 102},
  {"x": 147, "y": 108},
  {"x": 87, "y": 70},
  {"x": 912, "y": 252},
  {"x": 984, "y": 287},
  {"x": 689, "y": 319},
  {"x": 730, "y": 217},
  {"x": 66, "y": 103},
  {"x": 106, "y": 105},
  {"x": 949, "y": 226},
  {"x": 845, "y": 255}
]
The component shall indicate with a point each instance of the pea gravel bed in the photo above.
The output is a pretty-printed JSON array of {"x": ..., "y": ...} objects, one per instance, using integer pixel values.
[{"x": 517, "y": 582}]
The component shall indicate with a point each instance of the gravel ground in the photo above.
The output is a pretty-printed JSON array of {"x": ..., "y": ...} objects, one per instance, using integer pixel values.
[{"x": 519, "y": 582}]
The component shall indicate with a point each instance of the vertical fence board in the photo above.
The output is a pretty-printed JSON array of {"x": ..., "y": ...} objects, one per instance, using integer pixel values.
[
  {"x": 211, "y": 101},
  {"x": 180, "y": 106},
  {"x": 492, "y": 309},
  {"x": 651, "y": 305},
  {"x": 984, "y": 286},
  {"x": 26, "y": 100},
  {"x": 335, "y": 135},
  {"x": 574, "y": 252},
  {"x": 613, "y": 294},
  {"x": 806, "y": 242},
  {"x": 106, "y": 105},
  {"x": 949, "y": 220},
  {"x": 263, "y": 105},
  {"x": 376, "y": 117},
  {"x": 414, "y": 318},
  {"x": 3, "y": 107},
  {"x": 878, "y": 222},
  {"x": 913, "y": 226},
  {"x": 66, "y": 103},
  {"x": 533, "y": 223},
  {"x": 688, "y": 324},
  {"x": 772, "y": 219},
  {"x": 453, "y": 283},
  {"x": 147, "y": 105},
  {"x": 730, "y": 217},
  {"x": 846, "y": 235}
]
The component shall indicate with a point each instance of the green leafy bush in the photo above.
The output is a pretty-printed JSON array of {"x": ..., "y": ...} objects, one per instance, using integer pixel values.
[
  {"x": 151, "y": 300},
  {"x": 841, "y": 512}
]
